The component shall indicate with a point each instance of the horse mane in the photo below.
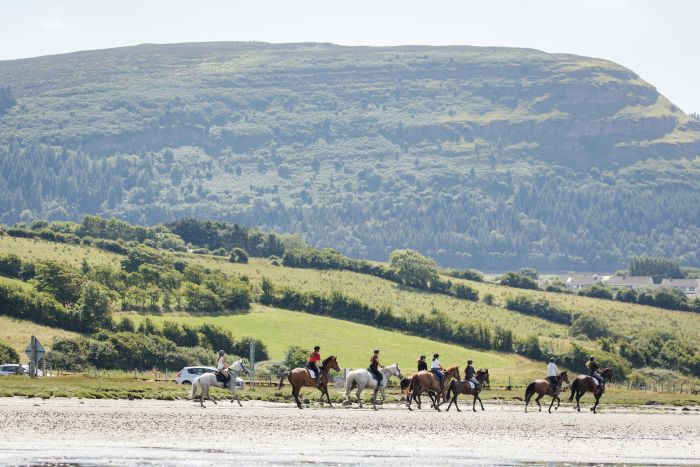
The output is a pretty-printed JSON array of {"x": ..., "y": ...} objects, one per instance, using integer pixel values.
[{"x": 326, "y": 360}]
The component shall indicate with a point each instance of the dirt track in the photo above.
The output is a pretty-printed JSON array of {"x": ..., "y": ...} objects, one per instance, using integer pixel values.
[{"x": 138, "y": 432}]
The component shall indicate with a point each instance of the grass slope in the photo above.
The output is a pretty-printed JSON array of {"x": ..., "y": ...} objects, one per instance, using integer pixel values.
[
  {"x": 627, "y": 319},
  {"x": 353, "y": 343},
  {"x": 17, "y": 334}
]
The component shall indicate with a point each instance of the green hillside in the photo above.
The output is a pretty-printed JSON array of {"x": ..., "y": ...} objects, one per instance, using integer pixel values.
[
  {"x": 493, "y": 158},
  {"x": 353, "y": 343},
  {"x": 344, "y": 311}
]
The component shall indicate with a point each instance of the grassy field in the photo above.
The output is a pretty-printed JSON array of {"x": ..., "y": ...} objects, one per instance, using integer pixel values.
[
  {"x": 17, "y": 334},
  {"x": 626, "y": 319},
  {"x": 353, "y": 343},
  {"x": 35, "y": 250}
]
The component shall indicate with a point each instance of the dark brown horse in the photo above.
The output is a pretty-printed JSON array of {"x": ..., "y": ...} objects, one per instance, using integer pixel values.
[
  {"x": 300, "y": 377},
  {"x": 544, "y": 388},
  {"x": 426, "y": 381},
  {"x": 463, "y": 387},
  {"x": 585, "y": 383}
]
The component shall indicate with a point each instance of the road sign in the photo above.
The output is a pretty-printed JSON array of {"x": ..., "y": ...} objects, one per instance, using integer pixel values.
[
  {"x": 35, "y": 352},
  {"x": 39, "y": 350}
]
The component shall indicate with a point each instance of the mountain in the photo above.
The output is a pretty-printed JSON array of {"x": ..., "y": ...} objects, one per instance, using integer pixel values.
[{"x": 491, "y": 158}]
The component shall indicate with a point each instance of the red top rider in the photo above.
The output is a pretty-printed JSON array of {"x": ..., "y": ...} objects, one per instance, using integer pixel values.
[{"x": 312, "y": 363}]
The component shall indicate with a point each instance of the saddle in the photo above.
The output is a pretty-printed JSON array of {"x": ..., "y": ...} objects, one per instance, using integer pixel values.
[
  {"x": 223, "y": 377},
  {"x": 374, "y": 375},
  {"x": 312, "y": 373}
]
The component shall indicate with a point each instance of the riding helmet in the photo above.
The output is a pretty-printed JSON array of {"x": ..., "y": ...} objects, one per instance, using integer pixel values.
[
  {"x": 422, "y": 355},
  {"x": 376, "y": 350},
  {"x": 436, "y": 355},
  {"x": 221, "y": 353},
  {"x": 317, "y": 348},
  {"x": 591, "y": 358},
  {"x": 469, "y": 362},
  {"x": 552, "y": 359}
]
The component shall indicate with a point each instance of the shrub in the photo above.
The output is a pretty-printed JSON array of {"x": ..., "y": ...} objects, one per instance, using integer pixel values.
[
  {"x": 239, "y": 255},
  {"x": 489, "y": 299},
  {"x": 597, "y": 291},
  {"x": 412, "y": 268},
  {"x": 540, "y": 308},
  {"x": 590, "y": 326},
  {"x": 465, "y": 292},
  {"x": 8, "y": 354},
  {"x": 517, "y": 280}
]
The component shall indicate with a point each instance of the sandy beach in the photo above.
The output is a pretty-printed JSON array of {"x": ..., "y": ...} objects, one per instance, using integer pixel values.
[{"x": 109, "y": 432}]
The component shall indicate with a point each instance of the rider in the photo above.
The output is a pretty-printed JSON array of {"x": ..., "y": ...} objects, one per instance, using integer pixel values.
[
  {"x": 422, "y": 365},
  {"x": 436, "y": 368},
  {"x": 552, "y": 372},
  {"x": 374, "y": 366},
  {"x": 312, "y": 364},
  {"x": 593, "y": 370},
  {"x": 469, "y": 374},
  {"x": 221, "y": 367}
]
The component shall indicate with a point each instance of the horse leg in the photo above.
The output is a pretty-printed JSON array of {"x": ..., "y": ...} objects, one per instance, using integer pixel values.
[
  {"x": 413, "y": 397},
  {"x": 578, "y": 398},
  {"x": 480, "y": 403},
  {"x": 597, "y": 399},
  {"x": 374, "y": 398},
  {"x": 359, "y": 395},
  {"x": 537, "y": 399},
  {"x": 552, "y": 403},
  {"x": 295, "y": 393},
  {"x": 474, "y": 403},
  {"x": 558, "y": 402},
  {"x": 328, "y": 396}
]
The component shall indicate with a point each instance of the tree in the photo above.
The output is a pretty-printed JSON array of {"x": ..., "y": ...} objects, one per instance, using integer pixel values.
[
  {"x": 59, "y": 280},
  {"x": 296, "y": 357},
  {"x": 239, "y": 255},
  {"x": 144, "y": 255},
  {"x": 94, "y": 306},
  {"x": 412, "y": 268},
  {"x": 201, "y": 299},
  {"x": 217, "y": 338},
  {"x": 8, "y": 354}
]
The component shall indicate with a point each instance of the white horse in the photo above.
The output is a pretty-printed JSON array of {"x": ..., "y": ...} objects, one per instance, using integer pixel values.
[
  {"x": 364, "y": 379},
  {"x": 207, "y": 380}
]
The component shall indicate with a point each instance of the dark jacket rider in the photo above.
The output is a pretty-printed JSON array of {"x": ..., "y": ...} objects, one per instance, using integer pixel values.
[
  {"x": 374, "y": 366},
  {"x": 469, "y": 374},
  {"x": 422, "y": 364},
  {"x": 594, "y": 370}
]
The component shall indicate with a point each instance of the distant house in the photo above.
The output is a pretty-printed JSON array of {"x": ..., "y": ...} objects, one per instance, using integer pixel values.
[
  {"x": 580, "y": 281},
  {"x": 630, "y": 282},
  {"x": 687, "y": 286}
]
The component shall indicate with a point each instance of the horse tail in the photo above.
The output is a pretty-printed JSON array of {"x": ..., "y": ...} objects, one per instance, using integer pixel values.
[
  {"x": 350, "y": 384},
  {"x": 574, "y": 388},
  {"x": 195, "y": 383},
  {"x": 451, "y": 387},
  {"x": 529, "y": 391},
  {"x": 284, "y": 375}
]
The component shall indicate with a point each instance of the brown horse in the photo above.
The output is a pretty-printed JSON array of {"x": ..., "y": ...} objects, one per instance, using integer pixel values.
[
  {"x": 300, "y": 377},
  {"x": 544, "y": 388},
  {"x": 426, "y": 381},
  {"x": 585, "y": 383},
  {"x": 458, "y": 387}
]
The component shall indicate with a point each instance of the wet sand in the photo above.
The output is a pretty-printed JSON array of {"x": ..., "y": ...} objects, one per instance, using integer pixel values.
[{"x": 96, "y": 432}]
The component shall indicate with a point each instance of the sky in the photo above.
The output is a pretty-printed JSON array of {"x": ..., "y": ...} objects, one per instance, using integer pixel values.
[{"x": 656, "y": 39}]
